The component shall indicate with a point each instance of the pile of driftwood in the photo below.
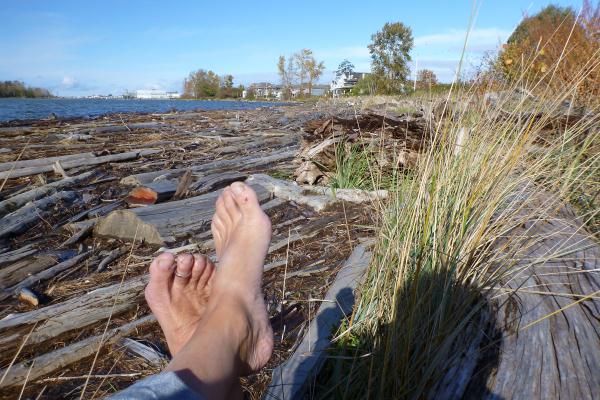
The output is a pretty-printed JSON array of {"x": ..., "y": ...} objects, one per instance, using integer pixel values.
[
  {"x": 393, "y": 141},
  {"x": 85, "y": 205}
]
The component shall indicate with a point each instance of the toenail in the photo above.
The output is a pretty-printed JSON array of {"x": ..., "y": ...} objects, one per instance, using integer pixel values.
[
  {"x": 164, "y": 264},
  {"x": 237, "y": 188}
]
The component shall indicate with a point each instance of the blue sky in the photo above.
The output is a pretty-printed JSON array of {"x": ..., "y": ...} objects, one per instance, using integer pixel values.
[{"x": 89, "y": 47}]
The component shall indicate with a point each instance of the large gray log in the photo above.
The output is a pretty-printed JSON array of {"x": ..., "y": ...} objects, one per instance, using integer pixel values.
[
  {"x": 31, "y": 370},
  {"x": 125, "y": 127},
  {"x": 243, "y": 163},
  {"x": 549, "y": 311},
  {"x": 42, "y": 161},
  {"x": 14, "y": 202},
  {"x": 130, "y": 155},
  {"x": 20, "y": 220},
  {"x": 289, "y": 380},
  {"x": 164, "y": 223}
]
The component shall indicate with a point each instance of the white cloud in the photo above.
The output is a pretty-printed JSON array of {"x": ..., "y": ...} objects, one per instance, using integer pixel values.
[
  {"x": 455, "y": 38},
  {"x": 68, "y": 82}
]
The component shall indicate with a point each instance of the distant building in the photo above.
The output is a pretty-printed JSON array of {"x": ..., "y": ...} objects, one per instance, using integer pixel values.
[
  {"x": 344, "y": 83},
  {"x": 156, "y": 95}
]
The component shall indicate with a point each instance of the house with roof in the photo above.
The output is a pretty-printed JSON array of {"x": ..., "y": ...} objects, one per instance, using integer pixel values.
[{"x": 343, "y": 83}]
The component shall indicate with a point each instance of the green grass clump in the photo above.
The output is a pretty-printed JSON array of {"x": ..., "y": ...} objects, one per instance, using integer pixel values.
[
  {"x": 353, "y": 167},
  {"x": 444, "y": 240}
]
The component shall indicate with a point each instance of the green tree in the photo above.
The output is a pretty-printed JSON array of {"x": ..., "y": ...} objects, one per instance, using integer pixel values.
[
  {"x": 426, "y": 79},
  {"x": 345, "y": 67},
  {"x": 390, "y": 54},
  {"x": 19, "y": 89},
  {"x": 201, "y": 84},
  {"x": 226, "y": 90}
]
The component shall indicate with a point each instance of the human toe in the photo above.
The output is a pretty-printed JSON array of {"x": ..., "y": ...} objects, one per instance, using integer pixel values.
[
  {"x": 183, "y": 270},
  {"x": 243, "y": 195},
  {"x": 197, "y": 269},
  {"x": 207, "y": 273},
  {"x": 161, "y": 273}
]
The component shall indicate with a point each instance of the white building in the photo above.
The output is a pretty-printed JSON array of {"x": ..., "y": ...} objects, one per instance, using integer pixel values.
[
  {"x": 154, "y": 94},
  {"x": 344, "y": 83}
]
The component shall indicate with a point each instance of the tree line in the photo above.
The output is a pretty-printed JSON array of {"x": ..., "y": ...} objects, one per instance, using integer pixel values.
[
  {"x": 551, "y": 47},
  {"x": 202, "y": 84},
  {"x": 19, "y": 89}
]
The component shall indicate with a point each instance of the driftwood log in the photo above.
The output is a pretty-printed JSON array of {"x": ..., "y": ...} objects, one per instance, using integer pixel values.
[
  {"x": 290, "y": 379},
  {"x": 549, "y": 313},
  {"x": 14, "y": 273},
  {"x": 38, "y": 162},
  {"x": 18, "y": 254},
  {"x": 44, "y": 275},
  {"x": 75, "y": 163},
  {"x": 20, "y": 220},
  {"x": 243, "y": 163},
  {"x": 75, "y": 313},
  {"x": 164, "y": 223}
]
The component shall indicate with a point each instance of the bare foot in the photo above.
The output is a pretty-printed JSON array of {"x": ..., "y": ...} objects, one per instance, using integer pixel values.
[
  {"x": 242, "y": 233},
  {"x": 178, "y": 294}
]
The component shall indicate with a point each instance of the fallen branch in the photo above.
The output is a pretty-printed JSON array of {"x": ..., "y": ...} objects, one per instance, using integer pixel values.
[{"x": 317, "y": 197}]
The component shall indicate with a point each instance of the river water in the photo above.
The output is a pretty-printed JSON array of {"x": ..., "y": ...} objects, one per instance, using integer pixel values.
[{"x": 11, "y": 109}]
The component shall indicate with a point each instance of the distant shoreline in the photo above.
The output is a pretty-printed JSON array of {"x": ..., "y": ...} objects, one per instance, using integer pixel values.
[{"x": 15, "y": 111}]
